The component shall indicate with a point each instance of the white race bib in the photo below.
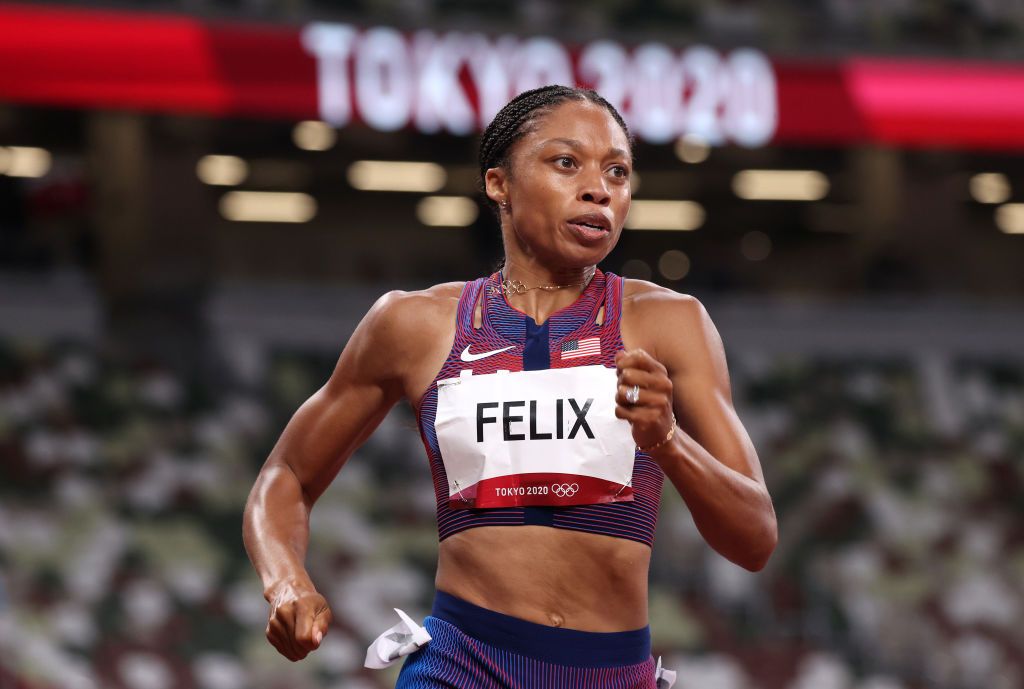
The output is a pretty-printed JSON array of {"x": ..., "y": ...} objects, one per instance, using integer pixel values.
[{"x": 546, "y": 437}]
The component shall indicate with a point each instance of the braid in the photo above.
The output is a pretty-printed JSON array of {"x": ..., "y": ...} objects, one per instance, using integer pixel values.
[{"x": 515, "y": 120}]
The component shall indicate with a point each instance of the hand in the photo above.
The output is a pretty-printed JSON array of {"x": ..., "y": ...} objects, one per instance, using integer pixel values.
[
  {"x": 299, "y": 618},
  {"x": 651, "y": 416}
]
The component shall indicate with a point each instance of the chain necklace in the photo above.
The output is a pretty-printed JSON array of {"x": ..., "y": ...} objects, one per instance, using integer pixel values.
[{"x": 510, "y": 287}]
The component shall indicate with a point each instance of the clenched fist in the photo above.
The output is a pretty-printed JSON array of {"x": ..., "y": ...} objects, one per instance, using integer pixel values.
[
  {"x": 650, "y": 414},
  {"x": 299, "y": 618}
]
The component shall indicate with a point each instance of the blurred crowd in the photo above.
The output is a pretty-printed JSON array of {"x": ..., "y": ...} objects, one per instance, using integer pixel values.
[{"x": 897, "y": 485}]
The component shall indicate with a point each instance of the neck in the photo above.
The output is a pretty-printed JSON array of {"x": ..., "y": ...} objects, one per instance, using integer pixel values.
[
  {"x": 532, "y": 275},
  {"x": 541, "y": 303}
]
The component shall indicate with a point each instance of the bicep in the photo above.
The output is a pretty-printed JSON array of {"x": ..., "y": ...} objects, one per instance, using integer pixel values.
[
  {"x": 342, "y": 414},
  {"x": 694, "y": 355}
]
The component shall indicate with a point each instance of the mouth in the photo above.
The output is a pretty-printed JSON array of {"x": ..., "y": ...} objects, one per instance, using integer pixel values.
[
  {"x": 594, "y": 222},
  {"x": 591, "y": 228}
]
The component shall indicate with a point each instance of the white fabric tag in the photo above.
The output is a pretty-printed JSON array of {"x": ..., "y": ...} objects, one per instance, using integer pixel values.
[
  {"x": 547, "y": 437},
  {"x": 399, "y": 640},
  {"x": 664, "y": 679}
]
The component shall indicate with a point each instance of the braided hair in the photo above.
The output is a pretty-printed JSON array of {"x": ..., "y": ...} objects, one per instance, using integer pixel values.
[{"x": 518, "y": 118}]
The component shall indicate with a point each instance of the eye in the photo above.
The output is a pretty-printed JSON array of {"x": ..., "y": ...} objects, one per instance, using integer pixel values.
[
  {"x": 620, "y": 171},
  {"x": 559, "y": 159}
]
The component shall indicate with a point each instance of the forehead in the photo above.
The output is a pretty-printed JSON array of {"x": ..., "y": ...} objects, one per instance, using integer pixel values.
[{"x": 587, "y": 122}]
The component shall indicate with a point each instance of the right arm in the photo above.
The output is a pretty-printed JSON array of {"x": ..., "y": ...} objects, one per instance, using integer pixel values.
[{"x": 366, "y": 383}]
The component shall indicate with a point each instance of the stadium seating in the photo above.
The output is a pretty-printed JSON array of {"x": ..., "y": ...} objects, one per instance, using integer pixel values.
[{"x": 897, "y": 487}]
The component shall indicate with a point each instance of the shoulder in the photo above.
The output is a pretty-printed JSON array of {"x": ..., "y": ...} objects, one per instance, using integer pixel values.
[
  {"x": 399, "y": 314},
  {"x": 438, "y": 297},
  {"x": 675, "y": 326},
  {"x": 648, "y": 300},
  {"x": 399, "y": 334}
]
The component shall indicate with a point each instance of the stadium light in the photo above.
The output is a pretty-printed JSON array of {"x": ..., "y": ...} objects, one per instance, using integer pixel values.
[
  {"x": 664, "y": 215},
  {"x": 990, "y": 187},
  {"x": 674, "y": 264},
  {"x": 221, "y": 170},
  {"x": 636, "y": 268},
  {"x": 313, "y": 135},
  {"x": 691, "y": 148},
  {"x": 1010, "y": 218},
  {"x": 267, "y": 206},
  {"x": 755, "y": 245},
  {"x": 24, "y": 161},
  {"x": 446, "y": 211},
  {"x": 383, "y": 175},
  {"x": 780, "y": 185}
]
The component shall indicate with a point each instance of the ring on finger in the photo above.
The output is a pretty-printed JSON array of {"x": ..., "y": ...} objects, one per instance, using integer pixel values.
[{"x": 633, "y": 394}]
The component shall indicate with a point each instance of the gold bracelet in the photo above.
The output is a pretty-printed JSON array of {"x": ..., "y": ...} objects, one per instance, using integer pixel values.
[{"x": 655, "y": 446}]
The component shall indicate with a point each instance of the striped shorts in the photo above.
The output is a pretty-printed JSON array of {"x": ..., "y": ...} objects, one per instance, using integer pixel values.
[{"x": 475, "y": 648}]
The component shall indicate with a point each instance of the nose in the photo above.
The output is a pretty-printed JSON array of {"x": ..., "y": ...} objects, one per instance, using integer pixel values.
[{"x": 594, "y": 189}]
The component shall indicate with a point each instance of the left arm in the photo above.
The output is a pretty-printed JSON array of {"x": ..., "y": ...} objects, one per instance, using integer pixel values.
[{"x": 710, "y": 458}]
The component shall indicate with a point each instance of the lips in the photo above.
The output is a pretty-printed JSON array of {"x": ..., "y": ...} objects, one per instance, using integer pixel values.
[{"x": 595, "y": 221}]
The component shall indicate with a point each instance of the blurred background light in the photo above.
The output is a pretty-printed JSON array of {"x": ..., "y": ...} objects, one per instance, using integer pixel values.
[
  {"x": 990, "y": 187},
  {"x": 636, "y": 268},
  {"x": 384, "y": 175},
  {"x": 674, "y": 265},
  {"x": 267, "y": 206},
  {"x": 24, "y": 161},
  {"x": 222, "y": 170},
  {"x": 446, "y": 211},
  {"x": 692, "y": 149},
  {"x": 313, "y": 135},
  {"x": 780, "y": 185},
  {"x": 1010, "y": 218},
  {"x": 755, "y": 245},
  {"x": 664, "y": 215}
]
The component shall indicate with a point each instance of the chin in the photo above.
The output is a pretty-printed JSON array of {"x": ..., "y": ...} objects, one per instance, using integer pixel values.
[{"x": 578, "y": 255}]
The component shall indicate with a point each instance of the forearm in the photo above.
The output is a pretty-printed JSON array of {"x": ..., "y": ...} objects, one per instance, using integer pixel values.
[
  {"x": 275, "y": 528},
  {"x": 732, "y": 511}
]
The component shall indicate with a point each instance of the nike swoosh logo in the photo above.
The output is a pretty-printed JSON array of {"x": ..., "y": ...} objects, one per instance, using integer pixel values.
[{"x": 466, "y": 356}]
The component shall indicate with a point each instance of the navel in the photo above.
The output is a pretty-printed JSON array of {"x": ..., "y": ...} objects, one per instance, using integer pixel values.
[{"x": 556, "y": 619}]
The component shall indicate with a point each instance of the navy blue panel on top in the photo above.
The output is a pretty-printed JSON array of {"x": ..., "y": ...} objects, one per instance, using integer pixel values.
[
  {"x": 537, "y": 357},
  {"x": 536, "y": 353}
]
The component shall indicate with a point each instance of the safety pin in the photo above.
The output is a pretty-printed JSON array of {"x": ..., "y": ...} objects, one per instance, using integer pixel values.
[
  {"x": 624, "y": 486},
  {"x": 458, "y": 489}
]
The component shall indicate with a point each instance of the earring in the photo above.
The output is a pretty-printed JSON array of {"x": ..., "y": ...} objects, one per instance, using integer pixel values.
[{"x": 504, "y": 204}]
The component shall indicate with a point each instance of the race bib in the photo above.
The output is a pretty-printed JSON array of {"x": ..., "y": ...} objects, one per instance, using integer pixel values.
[{"x": 546, "y": 437}]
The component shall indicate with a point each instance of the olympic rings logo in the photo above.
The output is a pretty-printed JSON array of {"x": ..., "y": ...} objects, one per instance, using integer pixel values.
[{"x": 565, "y": 490}]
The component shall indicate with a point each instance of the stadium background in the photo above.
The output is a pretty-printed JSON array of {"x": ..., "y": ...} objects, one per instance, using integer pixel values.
[{"x": 159, "y": 323}]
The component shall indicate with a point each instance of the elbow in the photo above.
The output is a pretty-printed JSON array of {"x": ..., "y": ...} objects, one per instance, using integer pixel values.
[
  {"x": 756, "y": 564},
  {"x": 253, "y": 505},
  {"x": 762, "y": 549}
]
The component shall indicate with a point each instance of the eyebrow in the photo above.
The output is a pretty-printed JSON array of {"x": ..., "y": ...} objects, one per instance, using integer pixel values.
[{"x": 574, "y": 143}]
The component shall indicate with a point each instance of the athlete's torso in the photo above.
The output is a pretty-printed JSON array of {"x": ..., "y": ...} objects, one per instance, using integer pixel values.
[{"x": 581, "y": 566}]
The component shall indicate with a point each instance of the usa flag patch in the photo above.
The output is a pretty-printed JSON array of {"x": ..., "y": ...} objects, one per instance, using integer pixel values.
[{"x": 588, "y": 346}]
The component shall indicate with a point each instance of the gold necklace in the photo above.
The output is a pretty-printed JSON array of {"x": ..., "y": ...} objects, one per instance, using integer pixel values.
[{"x": 510, "y": 287}]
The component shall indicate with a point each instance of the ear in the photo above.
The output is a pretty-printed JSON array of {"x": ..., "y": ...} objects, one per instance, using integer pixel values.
[{"x": 496, "y": 184}]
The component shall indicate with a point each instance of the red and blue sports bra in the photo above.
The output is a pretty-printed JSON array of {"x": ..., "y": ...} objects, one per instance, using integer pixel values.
[{"x": 542, "y": 417}]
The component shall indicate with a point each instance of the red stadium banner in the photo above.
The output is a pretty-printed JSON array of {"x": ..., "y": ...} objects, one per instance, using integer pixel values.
[{"x": 456, "y": 81}]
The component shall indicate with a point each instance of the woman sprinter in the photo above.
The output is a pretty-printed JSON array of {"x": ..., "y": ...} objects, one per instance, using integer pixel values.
[{"x": 553, "y": 399}]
